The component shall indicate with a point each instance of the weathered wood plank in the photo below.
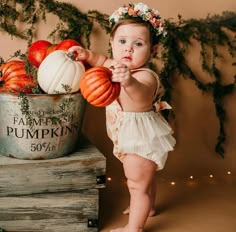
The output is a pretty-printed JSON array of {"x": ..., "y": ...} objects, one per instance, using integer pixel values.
[
  {"x": 55, "y": 212},
  {"x": 80, "y": 170}
]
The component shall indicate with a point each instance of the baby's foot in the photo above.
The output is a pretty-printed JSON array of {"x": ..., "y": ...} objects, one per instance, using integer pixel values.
[
  {"x": 121, "y": 229},
  {"x": 126, "y": 211},
  {"x": 124, "y": 229},
  {"x": 151, "y": 213},
  {"x": 118, "y": 230}
]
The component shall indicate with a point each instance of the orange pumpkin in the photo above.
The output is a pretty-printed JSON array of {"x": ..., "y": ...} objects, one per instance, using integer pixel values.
[
  {"x": 14, "y": 78},
  {"x": 97, "y": 88}
]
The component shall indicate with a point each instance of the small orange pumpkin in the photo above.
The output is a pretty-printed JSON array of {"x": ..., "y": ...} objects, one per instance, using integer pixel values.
[
  {"x": 97, "y": 88},
  {"x": 14, "y": 78}
]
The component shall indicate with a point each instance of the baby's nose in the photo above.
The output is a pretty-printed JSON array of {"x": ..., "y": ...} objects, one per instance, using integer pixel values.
[{"x": 129, "y": 48}]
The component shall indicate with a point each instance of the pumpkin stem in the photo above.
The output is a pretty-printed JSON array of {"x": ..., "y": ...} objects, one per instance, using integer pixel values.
[{"x": 71, "y": 55}]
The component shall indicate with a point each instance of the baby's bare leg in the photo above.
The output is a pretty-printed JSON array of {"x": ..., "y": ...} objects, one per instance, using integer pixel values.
[
  {"x": 152, "y": 192},
  {"x": 153, "y": 198},
  {"x": 139, "y": 173}
]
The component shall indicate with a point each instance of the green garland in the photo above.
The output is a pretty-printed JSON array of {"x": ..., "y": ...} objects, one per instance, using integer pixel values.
[{"x": 210, "y": 33}]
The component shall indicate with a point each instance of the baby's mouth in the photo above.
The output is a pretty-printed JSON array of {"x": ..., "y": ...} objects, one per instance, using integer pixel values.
[{"x": 127, "y": 58}]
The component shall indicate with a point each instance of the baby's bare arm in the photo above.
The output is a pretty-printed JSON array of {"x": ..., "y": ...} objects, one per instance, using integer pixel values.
[
  {"x": 139, "y": 86},
  {"x": 92, "y": 58}
]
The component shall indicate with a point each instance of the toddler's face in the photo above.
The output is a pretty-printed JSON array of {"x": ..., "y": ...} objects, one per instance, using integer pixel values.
[{"x": 131, "y": 45}]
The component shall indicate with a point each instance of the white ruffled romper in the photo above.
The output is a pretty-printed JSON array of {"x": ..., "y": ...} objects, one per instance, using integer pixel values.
[{"x": 146, "y": 134}]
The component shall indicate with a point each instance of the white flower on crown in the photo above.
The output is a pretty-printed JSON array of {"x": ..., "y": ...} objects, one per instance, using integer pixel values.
[
  {"x": 122, "y": 10},
  {"x": 141, "y": 7},
  {"x": 148, "y": 16},
  {"x": 155, "y": 12},
  {"x": 118, "y": 14},
  {"x": 115, "y": 16}
]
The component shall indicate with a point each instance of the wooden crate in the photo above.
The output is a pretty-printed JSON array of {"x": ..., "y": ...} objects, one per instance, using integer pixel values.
[
  {"x": 56, "y": 195},
  {"x": 84, "y": 169},
  {"x": 55, "y": 212}
]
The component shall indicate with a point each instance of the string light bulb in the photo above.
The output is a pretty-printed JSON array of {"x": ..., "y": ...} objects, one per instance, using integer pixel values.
[{"x": 194, "y": 180}]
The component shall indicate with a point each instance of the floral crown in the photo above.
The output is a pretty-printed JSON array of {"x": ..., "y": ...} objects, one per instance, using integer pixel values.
[{"x": 142, "y": 11}]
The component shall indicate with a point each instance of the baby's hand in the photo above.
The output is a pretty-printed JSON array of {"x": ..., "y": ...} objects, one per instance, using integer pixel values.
[
  {"x": 121, "y": 73},
  {"x": 79, "y": 52}
]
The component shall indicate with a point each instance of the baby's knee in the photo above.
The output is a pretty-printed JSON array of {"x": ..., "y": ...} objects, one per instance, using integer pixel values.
[{"x": 138, "y": 186}]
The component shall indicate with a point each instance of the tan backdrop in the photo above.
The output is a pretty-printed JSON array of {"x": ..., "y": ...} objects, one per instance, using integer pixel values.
[{"x": 196, "y": 126}]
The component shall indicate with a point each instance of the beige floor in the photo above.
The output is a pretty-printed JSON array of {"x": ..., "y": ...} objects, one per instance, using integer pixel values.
[{"x": 201, "y": 204}]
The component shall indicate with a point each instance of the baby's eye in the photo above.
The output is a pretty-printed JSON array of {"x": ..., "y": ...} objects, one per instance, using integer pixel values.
[
  {"x": 122, "y": 41},
  {"x": 138, "y": 44}
]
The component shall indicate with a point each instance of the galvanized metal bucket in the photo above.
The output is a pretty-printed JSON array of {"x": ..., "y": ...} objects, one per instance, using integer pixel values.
[{"x": 40, "y": 126}]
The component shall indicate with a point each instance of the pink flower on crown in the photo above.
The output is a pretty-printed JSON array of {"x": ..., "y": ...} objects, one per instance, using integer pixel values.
[
  {"x": 155, "y": 22},
  {"x": 131, "y": 11}
]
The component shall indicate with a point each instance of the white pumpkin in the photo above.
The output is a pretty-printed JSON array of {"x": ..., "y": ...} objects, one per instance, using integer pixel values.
[{"x": 59, "y": 71}]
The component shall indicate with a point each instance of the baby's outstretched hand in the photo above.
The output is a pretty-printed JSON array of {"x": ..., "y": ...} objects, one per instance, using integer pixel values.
[
  {"x": 79, "y": 52},
  {"x": 121, "y": 73}
]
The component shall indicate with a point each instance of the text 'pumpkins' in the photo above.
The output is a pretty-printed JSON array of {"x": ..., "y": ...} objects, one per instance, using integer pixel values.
[
  {"x": 97, "y": 88},
  {"x": 60, "y": 73}
]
